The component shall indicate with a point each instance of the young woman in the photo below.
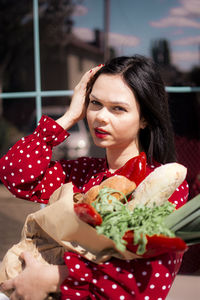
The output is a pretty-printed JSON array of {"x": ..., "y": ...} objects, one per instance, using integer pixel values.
[{"x": 126, "y": 108}]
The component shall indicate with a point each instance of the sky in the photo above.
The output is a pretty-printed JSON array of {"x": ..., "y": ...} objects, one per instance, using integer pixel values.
[{"x": 134, "y": 24}]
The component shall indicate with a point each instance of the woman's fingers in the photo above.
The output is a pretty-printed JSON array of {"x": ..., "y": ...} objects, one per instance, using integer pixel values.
[
  {"x": 28, "y": 258},
  {"x": 7, "y": 285},
  {"x": 87, "y": 76},
  {"x": 95, "y": 69},
  {"x": 77, "y": 105},
  {"x": 10, "y": 283},
  {"x": 15, "y": 296}
]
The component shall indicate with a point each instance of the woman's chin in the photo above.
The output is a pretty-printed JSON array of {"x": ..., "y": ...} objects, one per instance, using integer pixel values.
[{"x": 101, "y": 143}]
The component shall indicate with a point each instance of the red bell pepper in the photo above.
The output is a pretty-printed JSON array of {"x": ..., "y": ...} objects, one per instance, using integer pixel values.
[
  {"x": 156, "y": 244},
  {"x": 87, "y": 213},
  {"x": 135, "y": 168}
]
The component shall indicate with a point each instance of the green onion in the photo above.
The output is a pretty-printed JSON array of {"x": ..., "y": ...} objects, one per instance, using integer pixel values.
[{"x": 185, "y": 221}]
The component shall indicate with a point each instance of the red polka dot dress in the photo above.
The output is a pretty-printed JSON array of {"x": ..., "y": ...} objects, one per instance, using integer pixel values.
[{"x": 28, "y": 172}]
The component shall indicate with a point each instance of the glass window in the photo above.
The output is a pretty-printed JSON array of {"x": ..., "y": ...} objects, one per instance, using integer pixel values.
[{"x": 41, "y": 62}]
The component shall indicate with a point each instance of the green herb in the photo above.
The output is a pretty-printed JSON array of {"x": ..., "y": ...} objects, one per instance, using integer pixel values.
[{"x": 118, "y": 219}]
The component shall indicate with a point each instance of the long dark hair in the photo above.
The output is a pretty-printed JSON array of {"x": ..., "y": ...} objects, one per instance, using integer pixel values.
[{"x": 143, "y": 78}]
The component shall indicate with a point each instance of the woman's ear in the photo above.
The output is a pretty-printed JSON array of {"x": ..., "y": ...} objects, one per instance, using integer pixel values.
[{"x": 143, "y": 123}]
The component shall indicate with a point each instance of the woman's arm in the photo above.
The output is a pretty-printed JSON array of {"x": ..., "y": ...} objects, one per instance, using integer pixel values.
[
  {"x": 36, "y": 281},
  {"x": 27, "y": 170}
]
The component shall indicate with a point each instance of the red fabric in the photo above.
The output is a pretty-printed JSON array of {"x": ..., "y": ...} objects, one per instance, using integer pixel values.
[
  {"x": 28, "y": 172},
  {"x": 188, "y": 154},
  {"x": 119, "y": 279}
]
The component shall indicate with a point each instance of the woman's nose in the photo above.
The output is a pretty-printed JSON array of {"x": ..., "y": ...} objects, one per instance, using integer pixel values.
[{"x": 102, "y": 115}]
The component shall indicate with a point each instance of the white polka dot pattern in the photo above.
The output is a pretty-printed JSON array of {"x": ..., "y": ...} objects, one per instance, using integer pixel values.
[
  {"x": 29, "y": 173},
  {"x": 113, "y": 279}
]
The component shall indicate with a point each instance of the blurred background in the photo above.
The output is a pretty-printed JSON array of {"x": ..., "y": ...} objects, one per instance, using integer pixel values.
[{"x": 47, "y": 45}]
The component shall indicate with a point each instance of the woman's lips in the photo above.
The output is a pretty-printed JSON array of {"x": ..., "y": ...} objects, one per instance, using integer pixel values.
[{"x": 100, "y": 133}]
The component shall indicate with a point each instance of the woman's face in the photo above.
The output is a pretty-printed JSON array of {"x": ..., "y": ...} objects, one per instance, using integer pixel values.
[{"x": 113, "y": 114}]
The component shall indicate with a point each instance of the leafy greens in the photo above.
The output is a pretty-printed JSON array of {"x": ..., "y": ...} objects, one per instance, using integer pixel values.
[{"x": 118, "y": 219}]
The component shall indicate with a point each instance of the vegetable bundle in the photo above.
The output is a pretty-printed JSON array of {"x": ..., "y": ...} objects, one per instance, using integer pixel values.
[
  {"x": 149, "y": 231},
  {"x": 140, "y": 218},
  {"x": 118, "y": 219}
]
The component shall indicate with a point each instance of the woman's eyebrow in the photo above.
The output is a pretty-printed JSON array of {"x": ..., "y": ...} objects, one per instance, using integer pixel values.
[
  {"x": 112, "y": 102},
  {"x": 91, "y": 95}
]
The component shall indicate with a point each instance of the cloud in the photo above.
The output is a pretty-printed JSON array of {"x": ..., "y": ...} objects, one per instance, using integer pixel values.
[
  {"x": 187, "y": 9},
  {"x": 176, "y": 22},
  {"x": 182, "y": 16},
  {"x": 185, "y": 60},
  {"x": 79, "y": 10},
  {"x": 192, "y": 40},
  {"x": 85, "y": 34},
  {"x": 185, "y": 56},
  {"x": 115, "y": 39},
  {"x": 178, "y": 32}
]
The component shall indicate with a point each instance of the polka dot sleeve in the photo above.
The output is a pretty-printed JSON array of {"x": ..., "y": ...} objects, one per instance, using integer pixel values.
[
  {"x": 180, "y": 196},
  {"x": 23, "y": 169},
  {"x": 148, "y": 279}
]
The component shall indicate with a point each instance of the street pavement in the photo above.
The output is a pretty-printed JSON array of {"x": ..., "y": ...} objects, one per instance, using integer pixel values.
[{"x": 13, "y": 212}]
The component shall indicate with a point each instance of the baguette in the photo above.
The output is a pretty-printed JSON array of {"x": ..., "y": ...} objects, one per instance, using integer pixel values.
[
  {"x": 159, "y": 185},
  {"x": 118, "y": 182}
]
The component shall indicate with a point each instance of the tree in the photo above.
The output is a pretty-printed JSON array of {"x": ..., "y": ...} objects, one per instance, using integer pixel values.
[
  {"x": 11, "y": 14},
  {"x": 194, "y": 75},
  {"x": 16, "y": 36},
  {"x": 160, "y": 52}
]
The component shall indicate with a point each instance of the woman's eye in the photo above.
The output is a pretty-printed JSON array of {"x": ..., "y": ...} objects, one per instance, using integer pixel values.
[
  {"x": 119, "y": 108},
  {"x": 94, "y": 102}
]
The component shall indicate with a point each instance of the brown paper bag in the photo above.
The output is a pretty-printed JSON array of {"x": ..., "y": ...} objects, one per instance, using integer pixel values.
[{"x": 51, "y": 231}]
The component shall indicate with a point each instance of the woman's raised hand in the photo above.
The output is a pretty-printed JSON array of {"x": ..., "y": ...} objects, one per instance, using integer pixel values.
[{"x": 77, "y": 106}]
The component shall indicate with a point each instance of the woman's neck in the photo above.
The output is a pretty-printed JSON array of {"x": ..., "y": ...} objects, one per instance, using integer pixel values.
[{"x": 116, "y": 158}]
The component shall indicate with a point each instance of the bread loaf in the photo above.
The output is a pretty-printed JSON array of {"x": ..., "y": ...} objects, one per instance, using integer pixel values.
[
  {"x": 118, "y": 182},
  {"x": 159, "y": 185}
]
